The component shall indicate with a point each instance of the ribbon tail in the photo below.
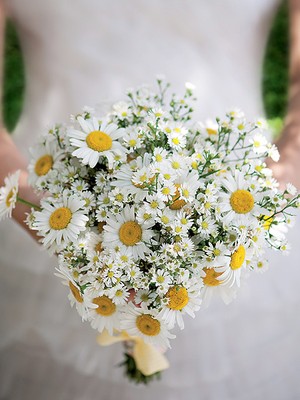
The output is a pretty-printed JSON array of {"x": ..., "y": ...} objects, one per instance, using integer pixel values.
[
  {"x": 105, "y": 339},
  {"x": 148, "y": 359}
]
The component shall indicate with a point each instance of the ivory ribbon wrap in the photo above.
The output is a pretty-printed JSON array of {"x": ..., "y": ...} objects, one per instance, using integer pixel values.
[{"x": 147, "y": 358}]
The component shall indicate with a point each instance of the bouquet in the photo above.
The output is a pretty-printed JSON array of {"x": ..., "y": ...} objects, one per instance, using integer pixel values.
[{"x": 152, "y": 213}]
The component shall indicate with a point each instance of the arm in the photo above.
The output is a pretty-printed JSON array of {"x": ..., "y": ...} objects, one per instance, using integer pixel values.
[
  {"x": 288, "y": 168},
  {"x": 10, "y": 157}
]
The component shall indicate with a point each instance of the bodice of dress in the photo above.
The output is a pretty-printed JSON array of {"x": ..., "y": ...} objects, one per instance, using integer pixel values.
[{"x": 85, "y": 52}]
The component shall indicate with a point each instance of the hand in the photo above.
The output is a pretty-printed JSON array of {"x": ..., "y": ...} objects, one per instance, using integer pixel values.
[
  {"x": 25, "y": 192},
  {"x": 287, "y": 169},
  {"x": 10, "y": 161}
]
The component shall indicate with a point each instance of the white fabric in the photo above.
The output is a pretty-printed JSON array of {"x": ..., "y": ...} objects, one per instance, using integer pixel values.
[{"x": 82, "y": 52}]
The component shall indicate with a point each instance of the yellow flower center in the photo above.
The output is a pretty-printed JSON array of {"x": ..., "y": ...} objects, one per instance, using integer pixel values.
[
  {"x": 238, "y": 258},
  {"x": 148, "y": 325},
  {"x": 178, "y": 297},
  {"x": 132, "y": 142},
  {"x": 204, "y": 225},
  {"x": 43, "y": 165},
  {"x": 130, "y": 233},
  {"x": 160, "y": 279},
  {"x": 177, "y": 203},
  {"x": 175, "y": 165},
  {"x": 98, "y": 247},
  {"x": 9, "y": 198},
  {"x": 75, "y": 292},
  {"x": 242, "y": 201},
  {"x": 144, "y": 181},
  {"x": 165, "y": 219},
  {"x": 105, "y": 306},
  {"x": 100, "y": 227},
  {"x": 267, "y": 222},
  {"x": 60, "y": 218},
  {"x": 99, "y": 141},
  {"x": 211, "y": 131},
  {"x": 210, "y": 278},
  {"x": 166, "y": 191}
]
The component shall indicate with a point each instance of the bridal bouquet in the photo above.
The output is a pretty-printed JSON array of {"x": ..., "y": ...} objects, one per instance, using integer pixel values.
[{"x": 151, "y": 214}]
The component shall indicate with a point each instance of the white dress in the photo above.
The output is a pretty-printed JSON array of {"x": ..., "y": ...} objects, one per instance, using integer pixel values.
[{"x": 82, "y": 52}]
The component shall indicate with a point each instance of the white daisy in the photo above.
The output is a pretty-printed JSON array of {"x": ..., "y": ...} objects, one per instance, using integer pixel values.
[
  {"x": 273, "y": 152},
  {"x": 145, "y": 324},
  {"x": 132, "y": 139},
  {"x": 121, "y": 110},
  {"x": 153, "y": 205},
  {"x": 93, "y": 246},
  {"x": 166, "y": 191},
  {"x": 177, "y": 139},
  {"x": 232, "y": 271},
  {"x": 44, "y": 158},
  {"x": 159, "y": 155},
  {"x": 180, "y": 300},
  {"x": 119, "y": 294},
  {"x": 240, "y": 201},
  {"x": 61, "y": 221},
  {"x": 259, "y": 143},
  {"x": 161, "y": 278},
  {"x": 8, "y": 195},
  {"x": 186, "y": 185},
  {"x": 123, "y": 230},
  {"x": 175, "y": 165},
  {"x": 206, "y": 226},
  {"x": 125, "y": 177},
  {"x": 105, "y": 315},
  {"x": 212, "y": 286},
  {"x": 144, "y": 297},
  {"x": 209, "y": 129},
  {"x": 96, "y": 140},
  {"x": 75, "y": 296}
]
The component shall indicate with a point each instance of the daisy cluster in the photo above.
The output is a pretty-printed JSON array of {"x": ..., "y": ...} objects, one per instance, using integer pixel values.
[{"x": 152, "y": 214}]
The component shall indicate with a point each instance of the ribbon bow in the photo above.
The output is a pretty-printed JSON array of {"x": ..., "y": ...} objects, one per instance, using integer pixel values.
[{"x": 147, "y": 358}]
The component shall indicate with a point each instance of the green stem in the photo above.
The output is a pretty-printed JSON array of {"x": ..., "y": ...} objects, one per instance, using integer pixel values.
[{"x": 27, "y": 203}]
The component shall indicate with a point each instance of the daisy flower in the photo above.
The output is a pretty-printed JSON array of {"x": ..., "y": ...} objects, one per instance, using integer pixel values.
[
  {"x": 166, "y": 191},
  {"x": 93, "y": 246},
  {"x": 61, "y": 221},
  {"x": 240, "y": 200},
  {"x": 176, "y": 165},
  {"x": 212, "y": 286},
  {"x": 144, "y": 297},
  {"x": 186, "y": 185},
  {"x": 159, "y": 155},
  {"x": 161, "y": 278},
  {"x": 75, "y": 296},
  {"x": 206, "y": 226},
  {"x": 125, "y": 177},
  {"x": 121, "y": 110},
  {"x": 145, "y": 324},
  {"x": 96, "y": 140},
  {"x": 273, "y": 152},
  {"x": 132, "y": 139},
  {"x": 44, "y": 158},
  {"x": 8, "y": 195},
  {"x": 177, "y": 139},
  {"x": 123, "y": 230},
  {"x": 210, "y": 129},
  {"x": 119, "y": 294},
  {"x": 105, "y": 314},
  {"x": 231, "y": 273},
  {"x": 180, "y": 300}
]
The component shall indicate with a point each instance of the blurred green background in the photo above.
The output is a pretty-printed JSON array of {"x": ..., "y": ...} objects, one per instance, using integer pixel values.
[{"x": 274, "y": 82}]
